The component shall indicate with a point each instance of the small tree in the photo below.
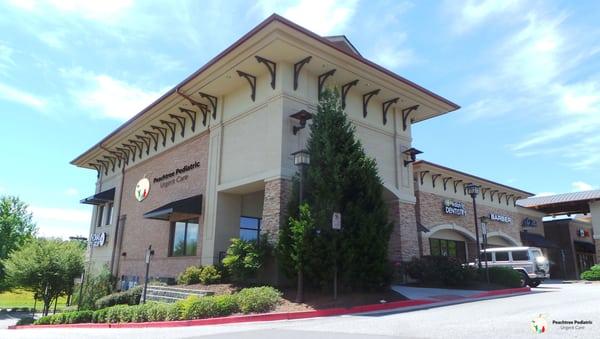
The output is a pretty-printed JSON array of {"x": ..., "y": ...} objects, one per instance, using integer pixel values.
[
  {"x": 16, "y": 228},
  {"x": 300, "y": 230},
  {"x": 244, "y": 258},
  {"x": 47, "y": 267}
]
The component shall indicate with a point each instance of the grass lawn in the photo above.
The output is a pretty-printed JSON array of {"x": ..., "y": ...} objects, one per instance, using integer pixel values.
[{"x": 21, "y": 298}]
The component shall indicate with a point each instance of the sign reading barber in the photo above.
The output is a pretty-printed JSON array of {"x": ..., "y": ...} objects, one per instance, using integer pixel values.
[
  {"x": 454, "y": 207},
  {"x": 501, "y": 218}
]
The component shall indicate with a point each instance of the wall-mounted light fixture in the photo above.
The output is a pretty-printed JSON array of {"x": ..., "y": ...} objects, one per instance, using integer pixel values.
[
  {"x": 412, "y": 153},
  {"x": 302, "y": 116}
]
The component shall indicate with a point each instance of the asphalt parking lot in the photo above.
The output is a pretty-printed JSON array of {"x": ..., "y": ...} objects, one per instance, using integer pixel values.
[{"x": 507, "y": 317}]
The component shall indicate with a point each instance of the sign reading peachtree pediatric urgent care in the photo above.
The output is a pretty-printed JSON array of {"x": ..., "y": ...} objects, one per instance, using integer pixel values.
[
  {"x": 501, "y": 218},
  {"x": 454, "y": 207},
  {"x": 175, "y": 176},
  {"x": 142, "y": 188}
]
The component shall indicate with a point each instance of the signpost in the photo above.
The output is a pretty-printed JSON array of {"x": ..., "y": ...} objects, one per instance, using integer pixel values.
[
  {"x": 484, "y": 232},
  {"x": 149, "y": 254},
  {"x": 336, "y": 224}
]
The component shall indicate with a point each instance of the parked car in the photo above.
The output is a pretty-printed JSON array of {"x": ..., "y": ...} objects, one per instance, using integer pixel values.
[{"x": 529, "y": 261}]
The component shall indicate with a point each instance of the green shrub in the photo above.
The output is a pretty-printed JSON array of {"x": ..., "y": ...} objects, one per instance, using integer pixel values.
[
  {"x": 243, "y": 260},
  {"x": 45, "y": 320},
  {"x": 99, "y": 316},
  {"x": 191, "y": 275},
  {"x": 195, "y": 307},
  {"x": 437, "y": 270},
  {"x": 258, "y": 299},
  {"x": 129, "y": 297},
  {"x": 160, "y": 311},
  {"x": 78, "y": 317},
  {"x": 26, "y": 321},
  {"x": 118, "y": 314},
  {"x": 592, "y": 274},
  {"x": 210, "y": 275},
  {"x": 504, "y": 276},
  {"x": 94, "y": 288}
]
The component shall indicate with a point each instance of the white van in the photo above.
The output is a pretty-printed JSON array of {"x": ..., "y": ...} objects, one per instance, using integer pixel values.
[{"x": 529, "y": 261}]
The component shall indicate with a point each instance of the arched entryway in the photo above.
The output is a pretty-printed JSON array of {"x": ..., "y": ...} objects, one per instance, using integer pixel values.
[
  {"x": 449, "y": 240},
  {"x": 500, "y": 239}
]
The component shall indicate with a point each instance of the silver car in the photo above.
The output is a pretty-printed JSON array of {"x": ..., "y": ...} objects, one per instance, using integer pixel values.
[{"x": 529, "y": 261}]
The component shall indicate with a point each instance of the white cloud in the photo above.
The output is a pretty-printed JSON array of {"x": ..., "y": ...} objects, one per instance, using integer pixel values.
[
  {"x": 71, "y": 192},
  {"x": 470, "y": 14},
  {"x": 9, "y": 93},
  {"x": 61, "y": 222},
  {"x": 581, "y": 186},
  {"x": 105, "y": 10},
  {"x": 324, "y": 17},
  {"x": 108, "y": 97},
  {"x": 394, "y": 54}
]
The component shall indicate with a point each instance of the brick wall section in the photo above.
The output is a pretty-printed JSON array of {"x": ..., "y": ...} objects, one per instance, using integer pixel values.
[
  {"x": 404, "y": 242},
  {"x": 139, "y": 232},
  {"x": 277, "y": 193},
  {"x": 431, "y": 215}
]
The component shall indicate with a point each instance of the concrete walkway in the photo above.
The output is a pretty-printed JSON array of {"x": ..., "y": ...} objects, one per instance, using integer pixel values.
[{"x": 433, "y": 293}]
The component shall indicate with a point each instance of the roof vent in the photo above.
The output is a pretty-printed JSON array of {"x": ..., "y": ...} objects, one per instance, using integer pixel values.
[{"x": 341, "y": 42}]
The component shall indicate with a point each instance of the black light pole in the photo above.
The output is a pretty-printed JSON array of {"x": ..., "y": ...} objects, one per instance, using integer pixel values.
[
  {"x": 484, "y": 234},
  {"x": 149, "y": 254},
  {"x": 301, "y": 159},
  {"x": 473, "y": 191}
]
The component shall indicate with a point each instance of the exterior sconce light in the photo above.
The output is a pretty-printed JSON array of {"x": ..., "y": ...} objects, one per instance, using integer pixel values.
[
  {"x": 302, "y": 116},
  {"x": 412, "y": 153},
  {"x": 472, "y": 190},
  {"x": 301, "y": 157}
]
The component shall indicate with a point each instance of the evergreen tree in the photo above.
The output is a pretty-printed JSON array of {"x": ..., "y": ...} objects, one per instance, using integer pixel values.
[{"x": 341, "y": 178}]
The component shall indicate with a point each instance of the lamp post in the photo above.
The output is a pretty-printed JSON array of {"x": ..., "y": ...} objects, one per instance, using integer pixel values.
[
  {"x": 149, "y": 254},
  {"x": 484, "y": 232},
  {"x": 301, "y": 159},
  {"x": 473, "y": 191}
]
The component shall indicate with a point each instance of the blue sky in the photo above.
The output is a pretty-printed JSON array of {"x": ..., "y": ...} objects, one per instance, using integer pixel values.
[{"x": 527, "y": 74}]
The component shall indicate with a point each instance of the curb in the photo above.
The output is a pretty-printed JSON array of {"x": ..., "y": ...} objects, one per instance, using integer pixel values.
[{"x": 280, "y": 316}]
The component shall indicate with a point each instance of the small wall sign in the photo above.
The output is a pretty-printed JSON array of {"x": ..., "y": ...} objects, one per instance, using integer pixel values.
[
  {"x": 501, "y": 218},
  {"x": 583, "y": 233},
  {"x": 454, "y": 207},
  {"x": 528, "y": 222},
  {"x": 142, "y": 189},
  {"x": 98, "y": 239},
  {"x": 336, "y": 221}
]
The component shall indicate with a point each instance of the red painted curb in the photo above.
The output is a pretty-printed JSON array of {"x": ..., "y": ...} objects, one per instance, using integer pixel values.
[{"x": 274, "y": 316}]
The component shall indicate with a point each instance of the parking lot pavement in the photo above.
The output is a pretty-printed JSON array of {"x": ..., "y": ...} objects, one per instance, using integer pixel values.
[
  {"x": 508, "y": 317},
  {"x": 433, "y": 293}
]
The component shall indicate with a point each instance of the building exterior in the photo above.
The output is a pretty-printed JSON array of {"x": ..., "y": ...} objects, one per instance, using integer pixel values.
[
  {"x": 445, "y": 214},
  {"x": 575, "y": 252},
  {"x": 211, "y": 159}
]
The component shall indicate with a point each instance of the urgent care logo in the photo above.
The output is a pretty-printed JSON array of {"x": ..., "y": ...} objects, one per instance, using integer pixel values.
[{"x": 142, "y": 189}]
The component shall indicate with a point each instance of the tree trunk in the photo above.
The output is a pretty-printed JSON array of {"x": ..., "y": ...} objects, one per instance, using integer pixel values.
[
  {"x": 55, "y": 302},
  {"x": 300, "y": 290}
]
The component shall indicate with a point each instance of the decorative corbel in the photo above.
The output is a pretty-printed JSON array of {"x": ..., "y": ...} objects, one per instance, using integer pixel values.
[
  {"x": 172, "y": 128},
  {"x": 139, "y": 145},
  {"x": 508, "y": 198},
  {"x": 119, "y": 157},
  {"x": 366, "y": 98},
  {"x": 321, "y": 81},
  {"x": 97, "y": 167},
  {"x": 132, "y": 149},
  {"x": 345, "y": 89},
  {"x": 104, "y": 165},
  {"x": 181, "y": 121},
  {"x": 445, "y": 181},
  {"x": 297, "y": 67},
  {"x": 192, "y": 115},
  {"x": 434, "y": 178},
  {"x": 500, "y": 196},
  {"x": 492, "y": 193},
  {"x": 271, "y": 66},
  {"x": 385, "y": 106},
  {"x": 112, "y": 160},
  {"x": 163, "y": 133},
  {"x": 146, "y": 141},
  {"x": 422, "y": 175},
  {"x": 251, "y": 80},
  {"x": 483, "y": 192},
  {"x": 405, "y": 113},
  {"x": 125, "y": 154},
  {"x": 456, "y": 182},
  {"x": 154, "y": 137},
  {"x": 213, "y": 103}
]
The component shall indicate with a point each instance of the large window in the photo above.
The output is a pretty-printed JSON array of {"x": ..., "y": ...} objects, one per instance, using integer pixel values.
[
  {"x": 249, "y": 228},
  {"x": 109, "y": 211},
  {"x": 184, "y": 238},
  {"x": 448, "y": 248}
]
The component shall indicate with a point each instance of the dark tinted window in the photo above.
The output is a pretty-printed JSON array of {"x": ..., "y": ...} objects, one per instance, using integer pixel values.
[
  {"x": 520, "y": 255},
  {"x": 249, "y": 228},
  {"x": 184, "y": 238},
  {"x": 501, "y": 256}
]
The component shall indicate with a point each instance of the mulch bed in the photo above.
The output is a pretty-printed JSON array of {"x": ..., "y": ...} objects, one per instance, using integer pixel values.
[{"x": 313, "y": 300}]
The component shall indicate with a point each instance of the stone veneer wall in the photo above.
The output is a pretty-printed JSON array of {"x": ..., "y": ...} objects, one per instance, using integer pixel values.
[
  {"x": 277, "y": 193},
  {"x": 404, "y": 242},
  {"x": 431, "y": 215}
]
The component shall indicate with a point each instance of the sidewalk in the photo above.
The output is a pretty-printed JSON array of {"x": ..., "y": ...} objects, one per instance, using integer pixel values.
[{"x": 437, "y": 294}]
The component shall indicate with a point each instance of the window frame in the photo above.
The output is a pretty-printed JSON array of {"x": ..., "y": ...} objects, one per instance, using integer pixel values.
[
  {"x": 186, "y": 222},
  {"x": 447, "y": 247},
  {"x": 257, "y": 230},
  {"x": 99, "y": 216},
  {"x": 109, "y": 213}
]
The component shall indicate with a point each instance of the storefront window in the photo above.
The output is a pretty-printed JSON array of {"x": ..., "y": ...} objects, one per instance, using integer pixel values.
[
  {"x": 448, "y": 248},
  {"x": 184, "y": 235},
  {"x": 249, "y": 228}
]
